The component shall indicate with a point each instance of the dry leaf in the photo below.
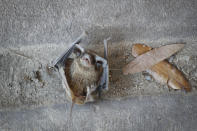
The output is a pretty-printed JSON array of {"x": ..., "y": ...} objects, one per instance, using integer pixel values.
[
  {"x": 163, "y": 72},
  {"x": 150, "y": 58}
]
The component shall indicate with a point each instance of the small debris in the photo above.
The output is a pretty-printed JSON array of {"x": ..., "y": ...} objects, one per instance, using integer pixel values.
[
  {"x": 50, "y": 70},
  {"x": 171, "y": 59},
  {"x": 39, "y": 77},
  {"x": 28, "y": 78},
  {"x": 148, "y": 78}
]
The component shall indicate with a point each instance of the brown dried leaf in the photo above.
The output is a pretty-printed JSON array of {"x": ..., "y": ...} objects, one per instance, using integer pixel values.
[
  {"x": 163, "y": 72},
  {"x": 150, "y": 58}
]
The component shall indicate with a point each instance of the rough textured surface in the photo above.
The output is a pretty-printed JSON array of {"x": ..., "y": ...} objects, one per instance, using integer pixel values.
[
  {"x": 152, "y": 113},
  {"x": 32, "y": 33},
  {"x": 25, "y": 22},
  {"x": 27, "y": 80}
]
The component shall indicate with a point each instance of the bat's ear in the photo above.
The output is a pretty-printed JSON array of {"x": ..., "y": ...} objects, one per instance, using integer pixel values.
[{"x": 77, "y": 52}]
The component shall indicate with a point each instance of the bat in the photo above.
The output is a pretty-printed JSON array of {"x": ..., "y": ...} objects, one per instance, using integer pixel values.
[{"x": 84, "y": 73}]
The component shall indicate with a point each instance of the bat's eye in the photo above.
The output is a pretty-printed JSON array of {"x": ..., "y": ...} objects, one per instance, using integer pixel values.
[{"x": 86, "y": 59}]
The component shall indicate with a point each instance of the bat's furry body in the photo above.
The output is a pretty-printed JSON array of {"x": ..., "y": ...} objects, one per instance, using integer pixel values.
[
  {"x": 84, "y": 77},
  {"x": 85, "y": 74}
]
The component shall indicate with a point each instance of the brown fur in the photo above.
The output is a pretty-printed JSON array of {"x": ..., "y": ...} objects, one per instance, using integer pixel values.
[{"x": 81, "y": 76}]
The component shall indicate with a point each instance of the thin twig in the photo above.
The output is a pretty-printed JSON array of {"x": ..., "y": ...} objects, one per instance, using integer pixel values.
[{"x": 20, "y": 54}]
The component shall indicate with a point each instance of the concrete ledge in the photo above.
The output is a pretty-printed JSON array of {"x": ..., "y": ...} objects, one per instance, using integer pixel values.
[{"x": 153, "y": 113}]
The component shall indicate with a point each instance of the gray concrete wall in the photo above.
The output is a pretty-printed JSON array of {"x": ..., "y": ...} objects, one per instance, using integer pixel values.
[
  {"x": 34, "y": 32},
  {"x": 164, "y": 113},
  {"x": 28, "y": 22}
]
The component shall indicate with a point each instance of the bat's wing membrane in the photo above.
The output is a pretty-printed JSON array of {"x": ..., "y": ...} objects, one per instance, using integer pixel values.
[
  {"x": 61, "y": 60},
  {"x": 104, "y": 80}
]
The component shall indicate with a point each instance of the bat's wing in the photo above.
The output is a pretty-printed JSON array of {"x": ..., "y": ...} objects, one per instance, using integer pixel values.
[
  {"x": 104, "y": 80},
  {"x": 105, "y": 77},
  {"x": 61, "y": 60}
]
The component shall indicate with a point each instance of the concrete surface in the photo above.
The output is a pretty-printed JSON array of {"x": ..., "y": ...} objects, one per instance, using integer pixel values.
[
  {"x": 32, "y": 33},
  {"x": 153, "y": 113},
  {"x": 25, "y": 22}
]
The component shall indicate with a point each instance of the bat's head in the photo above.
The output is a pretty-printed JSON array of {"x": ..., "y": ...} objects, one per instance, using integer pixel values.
[{"x": 87, "y": 60}]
